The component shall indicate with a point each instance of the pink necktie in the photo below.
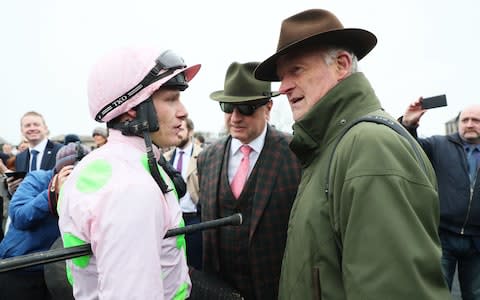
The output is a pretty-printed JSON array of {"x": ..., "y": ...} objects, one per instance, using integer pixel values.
[
  {"x": 242, "y": 173},
  {"x": 180, "y": 162}
]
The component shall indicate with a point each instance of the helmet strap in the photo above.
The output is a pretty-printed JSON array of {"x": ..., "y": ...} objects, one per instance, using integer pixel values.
[
  {"x": 144, "y": 123},
  {"x": 152, "y": 164}
]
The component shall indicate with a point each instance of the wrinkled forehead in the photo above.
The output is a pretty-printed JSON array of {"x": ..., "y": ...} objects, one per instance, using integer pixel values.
[{"x": 301, "y": 56}]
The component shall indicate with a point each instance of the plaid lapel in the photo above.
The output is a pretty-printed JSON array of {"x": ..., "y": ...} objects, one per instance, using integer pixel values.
[{"x": 266, "y": 162}]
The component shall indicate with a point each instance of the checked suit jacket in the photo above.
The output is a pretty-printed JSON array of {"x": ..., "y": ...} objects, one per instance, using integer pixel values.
[{"x": 279, "y": 170}]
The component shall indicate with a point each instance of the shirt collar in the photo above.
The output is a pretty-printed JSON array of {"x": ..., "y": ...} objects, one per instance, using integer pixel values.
[
  {"x": 40, "y": 147},
  {"x": 468, "y": 146},
  {"x": 188, "y": 150},
  {"x": 256, "y": 144}
]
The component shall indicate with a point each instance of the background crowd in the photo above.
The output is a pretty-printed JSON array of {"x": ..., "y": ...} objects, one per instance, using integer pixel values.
[{"x": 353, "y": 205}]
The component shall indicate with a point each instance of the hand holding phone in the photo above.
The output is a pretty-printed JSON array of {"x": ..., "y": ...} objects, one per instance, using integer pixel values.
[
  {"x": 13, "y": 183},
  {"x": 433, "y": 102},
  {"x": 16, "y": 175}
]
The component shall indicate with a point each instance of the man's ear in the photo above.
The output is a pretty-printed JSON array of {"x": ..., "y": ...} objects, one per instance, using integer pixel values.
[
  {"x": 344, "y": 63},
  {"x": 269, "y": 105}
]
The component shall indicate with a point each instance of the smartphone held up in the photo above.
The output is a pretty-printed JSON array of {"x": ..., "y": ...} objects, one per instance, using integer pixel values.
[{"x": 433, "y": 102}]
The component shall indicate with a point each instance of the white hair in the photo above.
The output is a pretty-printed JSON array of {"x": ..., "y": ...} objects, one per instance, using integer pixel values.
[{"x": 330, "y": 54}]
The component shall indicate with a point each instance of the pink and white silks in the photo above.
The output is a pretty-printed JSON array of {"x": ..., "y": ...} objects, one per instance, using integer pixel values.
[{"x": 112, "y": 202}]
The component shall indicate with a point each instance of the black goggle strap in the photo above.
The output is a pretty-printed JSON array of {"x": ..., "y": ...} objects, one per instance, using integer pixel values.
[
  {"x": 149, "y": 79},
  {"x": 168, "y": 60}
]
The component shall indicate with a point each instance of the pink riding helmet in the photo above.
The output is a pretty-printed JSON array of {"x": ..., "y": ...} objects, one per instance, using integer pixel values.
[{"x": 114, "y": 75}]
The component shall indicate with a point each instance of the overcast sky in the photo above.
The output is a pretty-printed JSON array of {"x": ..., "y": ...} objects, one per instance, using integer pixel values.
[{"x": 424, "y": 48}]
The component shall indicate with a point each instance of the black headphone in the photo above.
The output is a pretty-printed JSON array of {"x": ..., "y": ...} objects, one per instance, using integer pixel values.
[{"x": 145, "y": 121}]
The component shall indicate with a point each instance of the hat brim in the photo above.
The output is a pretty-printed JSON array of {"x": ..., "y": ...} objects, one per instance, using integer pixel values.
[
  {"x": 221, "y": 97},
  {"x": 360, "y": 41}
]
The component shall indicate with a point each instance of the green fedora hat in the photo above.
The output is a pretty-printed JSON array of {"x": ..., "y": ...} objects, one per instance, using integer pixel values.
[{"x": 241, "y": 86}]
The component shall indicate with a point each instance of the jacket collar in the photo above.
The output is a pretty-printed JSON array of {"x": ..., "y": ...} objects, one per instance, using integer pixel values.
[
  {"x": 455, "y": 138},
  {"x": 351, "y": 98}
]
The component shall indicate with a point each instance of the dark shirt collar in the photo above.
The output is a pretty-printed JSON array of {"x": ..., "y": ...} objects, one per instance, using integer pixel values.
[{"x": 468, "y": 146}]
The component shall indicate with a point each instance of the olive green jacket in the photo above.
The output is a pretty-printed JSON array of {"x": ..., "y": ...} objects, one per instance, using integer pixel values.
[{"x": 376, "y": 236}]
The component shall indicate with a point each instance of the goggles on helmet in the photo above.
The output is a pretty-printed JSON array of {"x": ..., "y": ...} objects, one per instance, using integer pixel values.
[
  {"x": 178, "y": 81},
  {"x": 168, "y": 62}
]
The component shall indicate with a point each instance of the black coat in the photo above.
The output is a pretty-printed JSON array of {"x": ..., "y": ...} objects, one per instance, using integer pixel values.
[
  {"x": 459, "y": 208},
  {"x": 22, "y": 161}
]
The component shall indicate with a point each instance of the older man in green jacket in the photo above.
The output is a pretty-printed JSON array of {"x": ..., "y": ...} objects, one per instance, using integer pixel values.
[{"x": 373, "y": 235}]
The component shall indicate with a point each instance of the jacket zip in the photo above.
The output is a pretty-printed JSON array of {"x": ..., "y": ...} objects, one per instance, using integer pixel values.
[
  {"x": 317, "y": 291},
  {"x": 462, "y": 231}
]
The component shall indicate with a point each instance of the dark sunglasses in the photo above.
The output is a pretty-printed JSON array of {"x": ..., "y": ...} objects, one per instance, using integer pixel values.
[
  {"x": 246, "y": 109},
  {"x": 168, "y": 60}
]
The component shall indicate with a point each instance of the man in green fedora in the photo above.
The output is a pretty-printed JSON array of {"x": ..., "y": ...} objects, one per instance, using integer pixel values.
[{"x": 251, "y": 171}]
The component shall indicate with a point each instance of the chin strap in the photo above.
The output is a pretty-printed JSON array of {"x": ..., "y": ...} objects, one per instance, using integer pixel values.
[
  {"x": 126, "y": 129},
  {"x": 152, "y": 164},
  {"x": 141, "y": 126}
]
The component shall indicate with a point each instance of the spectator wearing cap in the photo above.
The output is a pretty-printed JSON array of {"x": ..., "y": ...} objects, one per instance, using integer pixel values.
[
  {"x": 100, "y": 136},
  {"x": 34, "y": 225},
  {"x": 71, "y": 138}
]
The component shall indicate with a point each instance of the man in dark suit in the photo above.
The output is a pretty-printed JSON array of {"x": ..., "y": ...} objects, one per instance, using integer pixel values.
[
  {"x": 252, "y": 171},
  {"x": 35, "y": 131},
  {"x": 41, "y": 151}
]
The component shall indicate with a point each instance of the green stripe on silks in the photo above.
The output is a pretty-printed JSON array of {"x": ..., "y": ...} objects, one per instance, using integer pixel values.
[
  {"x": 181, "y": 292},
  {"x": 181, "y": 243},
  {"x": 69, "y": 240},
  {"x": 94, "y": 176},
  {"x": 165, "y": 177},
  {"x": 69, "y": 274},
  {"x": 180, "y": 238}
]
